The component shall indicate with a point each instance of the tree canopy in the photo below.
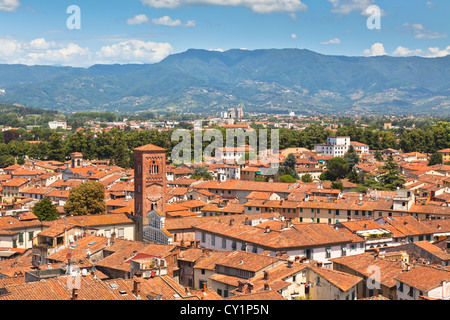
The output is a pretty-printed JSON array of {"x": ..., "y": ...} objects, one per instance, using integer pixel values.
[
  {"x": 45, "y": 210},
  {"x": 86, "y": 199}
]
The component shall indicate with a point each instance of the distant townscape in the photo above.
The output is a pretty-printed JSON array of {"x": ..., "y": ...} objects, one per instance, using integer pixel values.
[{"x": 95, "y": 207}]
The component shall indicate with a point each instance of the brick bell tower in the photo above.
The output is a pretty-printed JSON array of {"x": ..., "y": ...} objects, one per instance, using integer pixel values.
[{"x": 149, "y": 184}]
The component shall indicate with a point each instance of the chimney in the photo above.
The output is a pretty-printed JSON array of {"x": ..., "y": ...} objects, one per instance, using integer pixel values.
[
  {"x": 246, "y": 221},
  {"x": 266, "y": 287},
  {"x": 231, "y": 222},
  {"x": 204, "y": 286},
  {"x": 267, "y": 229},
  {"x": 113, "y": 237},
  {"x": 439, "y": 227},
  {"x": 74, "y": 294},
  {"x": 249, "y": 287},
  {"x": 241, "y": 286},
  {"x": 290, "y": 263},
  {"x": 266, "y": 275},
  {"x": 136, "y": 287}
]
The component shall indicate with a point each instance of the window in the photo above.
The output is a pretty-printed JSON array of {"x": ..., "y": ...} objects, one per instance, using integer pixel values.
[
  {"x": 121, "y": 233},
  {"x": 224, "y": 243},
  {"x": 203, "y": 237},
  {"x": 356, "y": 213},
  {"x": 349, "y": 212},
  {"x": 329, "y": 211},
  {"x": 337, "y": 212},
  {"x": 108, "y": 233},
  {"x": 30, "y": 235},
  {"x": 411, "y": 292},
  {"x": 219, "y": 292},
  {"x": 20, "y": 237},
  {"x": 328, "y": 252},
  {"x": 343, "y": 250},
  {"x": 213, "y": 240},
  {"x": 400, "y": 287}
]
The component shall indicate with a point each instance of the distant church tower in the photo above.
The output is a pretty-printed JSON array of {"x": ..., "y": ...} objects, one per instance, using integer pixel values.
[{"x": 149, "y": 186}]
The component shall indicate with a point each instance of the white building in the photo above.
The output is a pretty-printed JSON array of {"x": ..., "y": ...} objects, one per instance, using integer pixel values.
[
  {"x": 328, "y": 243},
  {"x": 335, "y": 146},
  {"x": 232, "y": 154},
  {"x": 155, "y": 231},
  {"x": 360, "y": 147},
  {"x": 53, "y": 125},
  {"x": 423, "y": 281}
]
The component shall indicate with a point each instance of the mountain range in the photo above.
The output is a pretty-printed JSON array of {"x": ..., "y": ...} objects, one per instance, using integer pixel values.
[{"x": 266, "y": 80}]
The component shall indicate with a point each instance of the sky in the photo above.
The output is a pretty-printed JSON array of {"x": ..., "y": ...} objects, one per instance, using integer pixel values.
[{"x": 81, "y": 33}]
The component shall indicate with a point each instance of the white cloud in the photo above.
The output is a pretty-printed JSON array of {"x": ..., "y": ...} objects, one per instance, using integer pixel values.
[
  {"x": 432, "y": 52},
  {"x": 420, "y": 32},
  {"x": 134, "y": 51},
  {"x": 348, "y": 6},
  {"x": 294, "y": 36},
  {"x": 437, "y": 53},
  {"x": 258, "y": 6},
  {"x": 138, "y": 19},
  {"x": 43, "y": 52},
  {"x": 332, "y": 41},
  {"x": 9, "y": 5},
  {"x": 405, "y": 52},
  {"x": 377, "y": 49},
  {"x": 431, "y": 4},
  {"x": 168, "y": 21}
]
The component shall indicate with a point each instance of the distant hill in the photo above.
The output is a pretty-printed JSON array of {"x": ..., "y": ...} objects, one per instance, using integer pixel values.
[{"x": 267, "y": 80}]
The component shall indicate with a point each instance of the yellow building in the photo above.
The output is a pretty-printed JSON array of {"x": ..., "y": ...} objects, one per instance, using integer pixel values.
[{"x": 445, "y": 154}]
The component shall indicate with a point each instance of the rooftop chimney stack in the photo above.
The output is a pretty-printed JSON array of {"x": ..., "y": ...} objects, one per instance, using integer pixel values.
[
  {"x": 74, "y": 294},
  {"x": 136, "y": 287}
]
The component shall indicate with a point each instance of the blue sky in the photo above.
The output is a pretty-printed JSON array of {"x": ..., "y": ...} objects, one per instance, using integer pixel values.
[{"x": 146, "y": 31}]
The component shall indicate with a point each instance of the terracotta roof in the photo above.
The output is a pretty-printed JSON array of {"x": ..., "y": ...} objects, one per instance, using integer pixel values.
[
  {"x": 258, "y": 296},
  {"x": 150, "y": 147},
  {"x": 361, "y": 263},
  {"x": 424, "y": 278},
  {"x": 341, "y": 280}
]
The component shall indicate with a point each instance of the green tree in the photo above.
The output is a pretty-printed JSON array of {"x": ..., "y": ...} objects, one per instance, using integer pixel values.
[
  {"x": 338, "y": 168},
  {"x": 20, "y": 160},
  {"x": 378, "y": 156},
  {"x": 56, "y": 148},
  {"x": 351, "y": 157},
  {"x": 289, "y": 166},
  {"x": 307, "y": 178},
  {"x": 354, "y": 177},
  {"x": 391, "y": 178},
  {"x": 45, "y": 210},
  {"x": 436, "y": 158},
  {"x": 337, "y": 185},
  {"x": 201, "y": 172},
  {"x": 88, "y": 198},
  {"x": 287, "y": 178}
]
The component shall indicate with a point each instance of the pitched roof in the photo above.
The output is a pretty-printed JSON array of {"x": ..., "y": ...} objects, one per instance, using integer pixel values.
[
  {"x": 424, "y": 278},
  {"x": 341, "y": 280},
  {"x": 150, "y": 147}
]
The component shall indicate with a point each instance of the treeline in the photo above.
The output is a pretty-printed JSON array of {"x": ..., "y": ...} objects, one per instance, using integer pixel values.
[{"x": 118, "y": 145}]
